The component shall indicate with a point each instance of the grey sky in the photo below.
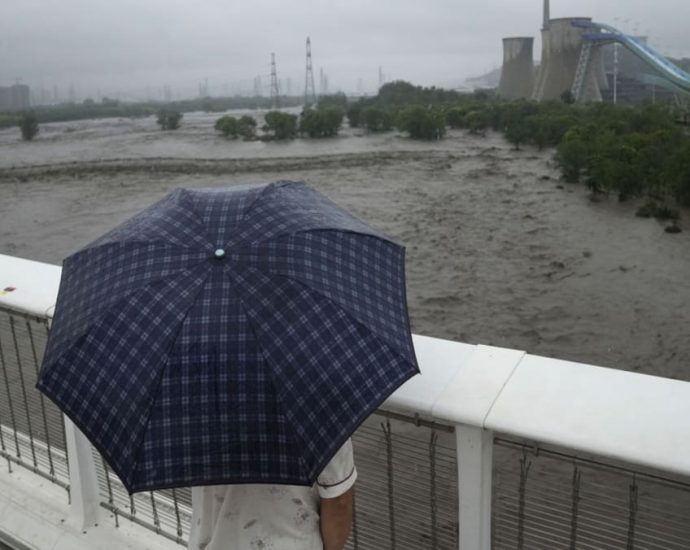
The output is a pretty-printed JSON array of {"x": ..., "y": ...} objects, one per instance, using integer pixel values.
[{"x": 132, "y": 45}]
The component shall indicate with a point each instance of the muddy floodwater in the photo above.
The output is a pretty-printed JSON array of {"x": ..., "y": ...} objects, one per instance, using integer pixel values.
[{"x": 499, "y": 250}]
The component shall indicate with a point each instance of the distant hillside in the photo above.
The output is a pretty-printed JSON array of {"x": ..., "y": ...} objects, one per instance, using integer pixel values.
[{"x": 488, "y": 80}]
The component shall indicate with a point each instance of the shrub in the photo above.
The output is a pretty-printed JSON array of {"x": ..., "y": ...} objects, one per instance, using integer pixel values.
[
  {"x": 572, "y": 155},
  {"x": 227, "y": 125},
  {"x": 455, "y": 118},
  {"x": 376, "y": 120},
  {"x": 246, "y": 127},
  {"x": 28, "y": 124},
  {"x": 476, "y": 121},
  {"x": 324, "y": 122},
  {"x": 353, "y": 115},
  {"x": 422, "y": 123},
  {"x": 280, "y": 125},
  {"x": 169, "y": 119}
]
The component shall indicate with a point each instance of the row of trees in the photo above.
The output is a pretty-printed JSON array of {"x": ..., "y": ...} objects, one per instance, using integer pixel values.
[{"x": 627, "y": 151}]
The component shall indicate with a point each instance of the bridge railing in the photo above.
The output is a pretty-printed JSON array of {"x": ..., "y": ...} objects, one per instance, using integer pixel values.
[{"x": 487, "y": 448}]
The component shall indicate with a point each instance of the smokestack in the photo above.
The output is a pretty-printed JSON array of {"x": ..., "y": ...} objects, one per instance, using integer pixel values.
[
  {"x": 547, "y": 13},
  {"x": 517, "y": 76}
]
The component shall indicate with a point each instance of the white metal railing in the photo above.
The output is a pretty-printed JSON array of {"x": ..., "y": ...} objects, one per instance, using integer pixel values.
[{"x": 475, "y": 391}]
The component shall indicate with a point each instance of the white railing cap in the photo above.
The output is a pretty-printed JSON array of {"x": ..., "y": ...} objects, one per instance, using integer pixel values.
[
  {"x": 618, "y": 414},
  {"x": 35, "y": 285}
]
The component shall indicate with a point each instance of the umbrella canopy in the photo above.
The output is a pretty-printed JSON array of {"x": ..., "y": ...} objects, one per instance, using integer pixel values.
[{"x": 237, "y": 335}]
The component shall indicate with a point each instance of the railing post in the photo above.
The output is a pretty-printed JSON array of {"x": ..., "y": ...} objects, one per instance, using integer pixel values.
[
  {"x": 475, "y": 460},
  {"x": 84, "y": 494}
]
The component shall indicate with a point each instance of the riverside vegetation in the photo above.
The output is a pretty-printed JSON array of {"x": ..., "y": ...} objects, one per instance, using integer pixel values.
[{"x": 626, "y": 151}]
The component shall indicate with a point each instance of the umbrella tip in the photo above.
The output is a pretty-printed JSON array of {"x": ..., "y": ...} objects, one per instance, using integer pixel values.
[{"x": 219, "y": 254}]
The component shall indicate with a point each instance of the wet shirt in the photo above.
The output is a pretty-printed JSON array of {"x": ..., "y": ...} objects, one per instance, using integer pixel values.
[{"x": 263, "y": 517}]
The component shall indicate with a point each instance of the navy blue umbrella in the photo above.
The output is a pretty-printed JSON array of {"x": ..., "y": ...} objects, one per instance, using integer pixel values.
[{"x": 237, "y": 335}]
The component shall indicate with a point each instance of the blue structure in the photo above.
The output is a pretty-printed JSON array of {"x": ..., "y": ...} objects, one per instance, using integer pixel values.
[{"x": 598, "y": 34}]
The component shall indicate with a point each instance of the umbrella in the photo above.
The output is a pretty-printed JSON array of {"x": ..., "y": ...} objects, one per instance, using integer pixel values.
[{"x": 235, "y": 335}]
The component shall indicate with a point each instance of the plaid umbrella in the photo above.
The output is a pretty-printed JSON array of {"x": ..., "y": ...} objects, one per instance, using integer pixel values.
[{"x": 237, "y": 335}]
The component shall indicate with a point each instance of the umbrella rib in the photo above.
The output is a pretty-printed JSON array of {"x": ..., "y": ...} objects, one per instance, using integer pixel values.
[
  {"x": 100, "y": 246},
  {"x": 382, "y": 342},
  {"x": 319, "y": 230},
  {"x": 349, "y": 315},
  {"x": 144, "y": 431},
  {"x": 340, "y": 306},
  {"x": 295, "y": 435}
]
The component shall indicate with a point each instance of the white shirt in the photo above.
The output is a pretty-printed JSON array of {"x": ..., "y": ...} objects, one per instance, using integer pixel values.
[{"x": 267, "y": 517}]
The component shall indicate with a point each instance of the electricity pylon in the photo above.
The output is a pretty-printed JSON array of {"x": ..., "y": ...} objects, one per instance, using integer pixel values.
[
  {"x": 309, "y": 89},
  {"x": 275, "y": 92}
]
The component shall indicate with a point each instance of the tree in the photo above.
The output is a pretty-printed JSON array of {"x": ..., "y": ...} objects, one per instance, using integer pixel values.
[
  {"x": 455, "y": 117},
  {"x": 677, "y": 173},
  {"x": 333, "y": 100},
  {"x": 573, "y": 154},
  {"x": 476, "y": 121},
  {"x": 324, "y": 122},
  {"x": 169, "y": 119},
  {"x": 354, "y": 115},
  {"x": 246, "y": 127},
  {"x": 422, "y": 123},
  {"x": 228, "y": 126},
  {"x": 517, "y": 133},
  {"x": 28, "y": 124},
  {"x": 280, "y": 125},
  {"x": 376, "y": 120},
  {"x": 567, "y": 97}
]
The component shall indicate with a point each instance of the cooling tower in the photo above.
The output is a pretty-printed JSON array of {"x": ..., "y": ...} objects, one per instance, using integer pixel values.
[
  {"x": 561, "y": 47},
  {"x": 517, "y": 76}
]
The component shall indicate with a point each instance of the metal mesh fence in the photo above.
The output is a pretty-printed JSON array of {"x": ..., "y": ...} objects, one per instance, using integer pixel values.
[
  {"x": 31, "y": 428},
  {"x": 548, "y": 498},
  {"x": 406, "y": 491},
  {"x": 167, "y": 512}
]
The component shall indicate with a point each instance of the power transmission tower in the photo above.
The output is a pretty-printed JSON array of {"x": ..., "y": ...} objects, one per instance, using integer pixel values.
[
  {"x": 275, "y": 92},
  {"x": 309, "y": 89}
]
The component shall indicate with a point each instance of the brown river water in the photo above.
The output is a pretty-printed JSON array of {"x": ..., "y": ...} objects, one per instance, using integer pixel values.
[{"x": 499, "y": 251}]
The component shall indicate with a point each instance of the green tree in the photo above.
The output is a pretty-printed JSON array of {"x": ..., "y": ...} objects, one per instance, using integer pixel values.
[
  {"x": 573, "y": 154},
  {"x": 169, "y": 119},
  {"x": 333, "y": 100},
  {"x": 246, "y": 127},
  {"x": 28, "y": 125},
  {"x": 677, "y": 173},
  {"x": 455, "y": 117},
  {"x": 280, "y": 125},
  {"x": 354, "y": 115},
  {"x": 476, "y": 121},
  {"x": 324, "y": 122},
  {"x": 228, "y": 126},
  {"x": 376, "y": 120},
  {"x": 422, "y": 122}
]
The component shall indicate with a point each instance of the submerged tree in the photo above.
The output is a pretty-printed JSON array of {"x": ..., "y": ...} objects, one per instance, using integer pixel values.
[
  {"x": 169, "y": 119},
  {"x": 422, "y": 122},
  {"x": 280, "y": 125},
  {"x": 28, "y": 124}
]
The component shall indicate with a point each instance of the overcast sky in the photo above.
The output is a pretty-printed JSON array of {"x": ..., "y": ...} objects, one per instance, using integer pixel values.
[{"x": 135, "y": 45}]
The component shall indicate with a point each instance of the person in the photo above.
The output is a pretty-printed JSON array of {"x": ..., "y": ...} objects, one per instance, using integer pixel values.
[{"x": 277, "y": 517}]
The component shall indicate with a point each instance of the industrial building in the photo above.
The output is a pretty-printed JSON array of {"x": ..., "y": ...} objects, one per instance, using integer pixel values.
[
  {"x": 517, "y": 76},
  {"x": 575, "y": 52},
  {"x": 15, "y": 97}
]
